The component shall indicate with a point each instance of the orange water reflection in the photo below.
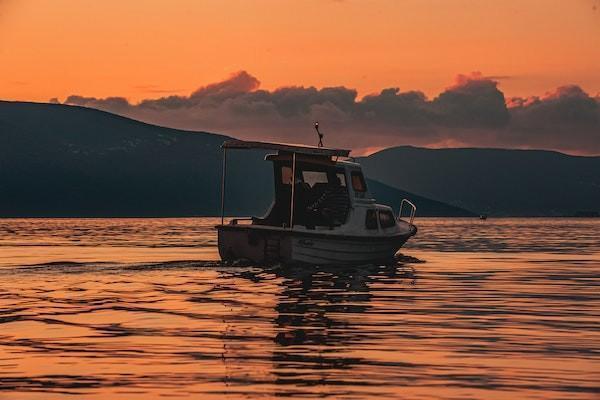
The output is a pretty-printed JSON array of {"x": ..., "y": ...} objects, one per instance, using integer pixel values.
[{"x": 463, "y": 324}]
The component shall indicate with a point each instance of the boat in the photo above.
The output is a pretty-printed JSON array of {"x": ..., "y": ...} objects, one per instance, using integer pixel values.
[{"x": 322, "y": 212}]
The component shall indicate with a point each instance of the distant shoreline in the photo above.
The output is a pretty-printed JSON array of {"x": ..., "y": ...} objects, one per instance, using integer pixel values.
[{"x": 241, "y": 216}]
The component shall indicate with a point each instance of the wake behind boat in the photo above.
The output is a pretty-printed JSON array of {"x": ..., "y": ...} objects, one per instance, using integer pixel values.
[{"x": 322, "y": 212}]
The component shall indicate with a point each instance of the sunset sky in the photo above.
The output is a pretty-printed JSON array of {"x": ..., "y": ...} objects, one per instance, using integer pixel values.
[
  {"x": 138, "y": 49},
  {"x": 151, "y": 49}
]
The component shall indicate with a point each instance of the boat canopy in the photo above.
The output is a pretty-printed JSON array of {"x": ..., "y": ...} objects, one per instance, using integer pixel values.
[{"x": 290, "y": 148}]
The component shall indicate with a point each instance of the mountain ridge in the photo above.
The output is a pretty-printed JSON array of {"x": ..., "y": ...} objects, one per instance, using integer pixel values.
[
  {"x": 71, "y": 161},
  {"x": 498, "y": 149},
  {"x": 499, "y": 182}
]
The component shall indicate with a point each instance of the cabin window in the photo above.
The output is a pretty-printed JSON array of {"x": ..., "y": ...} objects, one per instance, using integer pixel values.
[
  {"x": 386, "y": 219},
  {"x": 358, "y": 182},
  {"x": 314, "y": 177},
  {"x": 286, "y": 175},
  {"x": 342, "y": 177},
  {"x": 371, "y": 220}
]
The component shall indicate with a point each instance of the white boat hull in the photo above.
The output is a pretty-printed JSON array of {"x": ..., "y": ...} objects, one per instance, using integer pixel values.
[{"x": 260, "y": 245}]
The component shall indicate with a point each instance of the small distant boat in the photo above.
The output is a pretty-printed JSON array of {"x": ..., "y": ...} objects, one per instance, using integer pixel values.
[
  {"x": 483, "y": 217},
  {"x": 322, "y": 212}
]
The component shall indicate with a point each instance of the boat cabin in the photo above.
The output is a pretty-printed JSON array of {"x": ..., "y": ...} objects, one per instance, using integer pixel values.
[
  {"x": 321, "y": 187},
  {"x": 313, "y": 186}
]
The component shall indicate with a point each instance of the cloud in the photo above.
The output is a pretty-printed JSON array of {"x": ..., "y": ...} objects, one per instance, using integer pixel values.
[
  {"x": 210, "y": 95},
  {"x": 112, "y": 104},
  {"x": 565, "y": 119},
  {"x": 471, "y": 112},
  {"x": 473, "y": 101}
]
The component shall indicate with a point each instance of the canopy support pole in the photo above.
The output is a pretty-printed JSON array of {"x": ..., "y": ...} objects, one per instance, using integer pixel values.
[
  {"x": 223, "y": 181},
  {"x": 293, "y": 190}
]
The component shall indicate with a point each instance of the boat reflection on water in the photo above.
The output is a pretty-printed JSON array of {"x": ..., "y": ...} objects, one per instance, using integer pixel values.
[
  {"x": 320, "y": 317},
  {"x": 317, "y": 298}
]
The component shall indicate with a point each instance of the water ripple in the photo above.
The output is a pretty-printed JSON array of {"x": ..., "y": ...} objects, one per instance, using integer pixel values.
[{"x": 488, "y": 314}]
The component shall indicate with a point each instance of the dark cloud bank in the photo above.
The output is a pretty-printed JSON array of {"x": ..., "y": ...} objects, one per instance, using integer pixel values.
[{"x": 472, "y": 112}]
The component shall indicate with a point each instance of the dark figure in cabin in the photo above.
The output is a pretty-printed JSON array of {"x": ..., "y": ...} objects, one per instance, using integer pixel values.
[
  {"x": 302, "y": 193},
  {"x": 279, "y": 213},
  {"x": 331, "y": 208}
]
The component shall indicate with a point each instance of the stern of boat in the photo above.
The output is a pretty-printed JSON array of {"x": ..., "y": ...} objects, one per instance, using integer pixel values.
[{"x": 238, "y": 242}]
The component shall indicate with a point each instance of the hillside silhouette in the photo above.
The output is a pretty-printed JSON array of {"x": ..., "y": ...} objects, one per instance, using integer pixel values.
[
  {"x": 493, "y": 181},
  {"x": 70, "y": 161}
]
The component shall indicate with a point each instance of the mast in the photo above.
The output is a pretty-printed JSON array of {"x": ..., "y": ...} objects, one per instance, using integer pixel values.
[{"x": 319, "y": 133}]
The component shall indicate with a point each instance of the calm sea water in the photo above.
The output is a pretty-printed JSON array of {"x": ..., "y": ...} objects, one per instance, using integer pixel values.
[{"x": 142, "y": 309}]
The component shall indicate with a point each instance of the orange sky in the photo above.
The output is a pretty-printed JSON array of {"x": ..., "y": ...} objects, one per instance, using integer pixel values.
[{"x": 149, "y": 48}]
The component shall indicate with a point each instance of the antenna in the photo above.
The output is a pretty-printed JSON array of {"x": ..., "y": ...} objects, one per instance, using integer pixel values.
[{"x": 319, "y": 133}]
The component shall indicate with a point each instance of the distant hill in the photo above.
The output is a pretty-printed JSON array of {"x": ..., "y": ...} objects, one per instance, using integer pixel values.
[
  {"x": 58, "y": 160},
  {"x": 493, "y": 181},
  {"x": 425, "y": 207}
]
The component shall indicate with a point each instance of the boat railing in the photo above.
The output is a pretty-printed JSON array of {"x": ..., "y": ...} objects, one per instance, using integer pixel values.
[{"x": 412, "y": 211}]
